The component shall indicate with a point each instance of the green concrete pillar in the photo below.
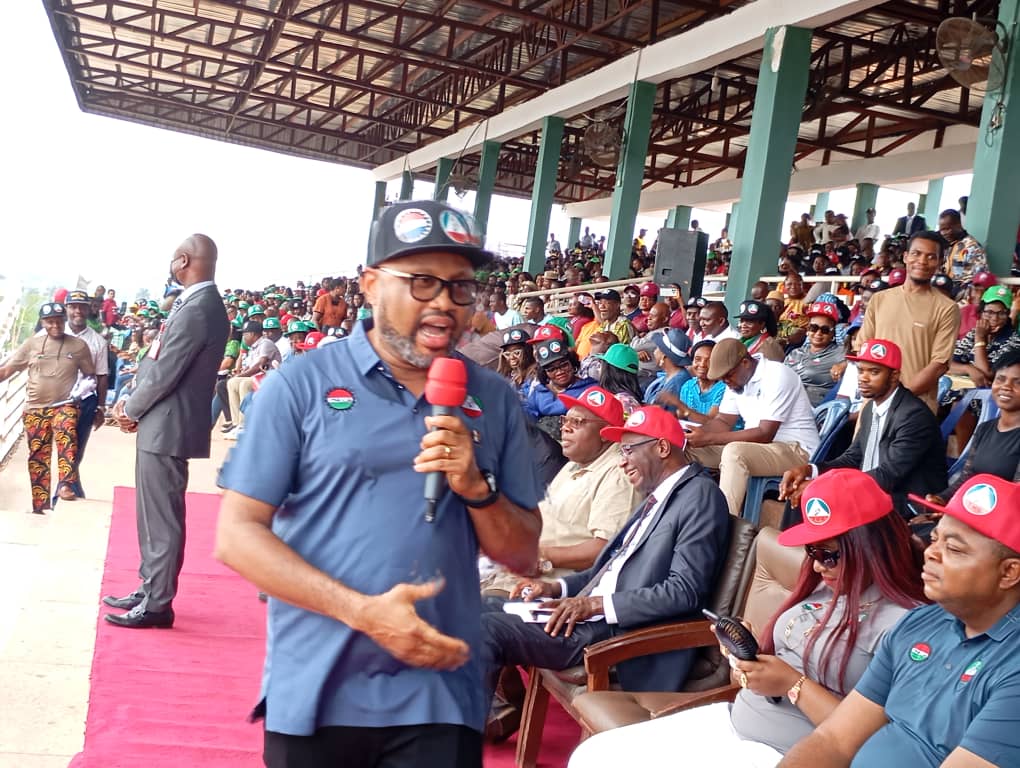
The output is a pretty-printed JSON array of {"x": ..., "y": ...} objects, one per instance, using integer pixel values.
[
  {"x": 575, "y": 233},
  {"x": 867, "y": 197},
  {"x": 379, "y": 200},
  {"x": 811, "y": 211},
  {"x": 630, "y": 175},
  {"x": 487, "y": 163},
  {"x": 443, "y": 169},
  {"x": 546, "y": 171},
  {"x": 778, "y": 104},
  {"x": 821, "y": 206},
  {"x": 406, "y": 185},
  {"x": 679, "y": 217},
  {"x": 729, "y": 218},
  {"x": 733, "y": 217},
  {"x": 992, "y": 211},
  {"x": 930, "y": 204}
]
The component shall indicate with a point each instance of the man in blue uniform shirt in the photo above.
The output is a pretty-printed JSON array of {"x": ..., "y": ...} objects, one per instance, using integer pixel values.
[
  {"x": 373, "y": 629},
  {"x": 944, "y": 686}
]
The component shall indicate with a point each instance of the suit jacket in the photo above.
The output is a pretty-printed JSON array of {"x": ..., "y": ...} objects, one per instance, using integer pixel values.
[
  {"x": 917, "y": 225},
  {"x": 171, "y": 400},
  {"x": 670, "y": 574},
  {"x": 912, "y": 454}
]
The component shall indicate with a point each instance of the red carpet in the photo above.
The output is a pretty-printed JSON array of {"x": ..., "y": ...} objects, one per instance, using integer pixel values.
[{"x": 168, "y": 699}]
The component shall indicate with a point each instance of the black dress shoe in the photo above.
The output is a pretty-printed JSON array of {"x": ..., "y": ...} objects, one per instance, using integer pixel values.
[
  {"x": 139, "y": 619},
  {"x": 125, "y": 603}
]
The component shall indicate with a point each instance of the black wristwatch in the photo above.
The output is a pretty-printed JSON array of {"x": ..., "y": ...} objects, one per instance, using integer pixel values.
[{"x": 490, "y": 480}]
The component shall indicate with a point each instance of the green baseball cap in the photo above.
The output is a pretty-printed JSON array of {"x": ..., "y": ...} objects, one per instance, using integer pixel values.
[
  {"x": 271, "y": 323},
  {"x": 238, "y": 321},
  {"x": 564, "y": 324},
  {"x": 296, "y": 326},
  {"x": 256, "y": 309},
  {"x": 152, "y": 304},
  {"x": 999, "y": 293},
  {"x": 243, "y": 305},
  {"x": 621, "y": 356}
]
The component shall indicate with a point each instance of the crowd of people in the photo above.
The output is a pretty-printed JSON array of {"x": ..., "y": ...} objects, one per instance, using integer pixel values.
[{"x": 606, "y": 438}]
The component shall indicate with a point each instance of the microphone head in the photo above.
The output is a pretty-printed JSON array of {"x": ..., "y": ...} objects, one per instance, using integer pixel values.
[{"x": 446, "y": 383}]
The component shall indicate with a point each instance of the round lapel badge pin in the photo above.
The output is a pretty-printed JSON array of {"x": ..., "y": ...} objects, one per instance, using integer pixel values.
[{"x": 340, "y": 399}]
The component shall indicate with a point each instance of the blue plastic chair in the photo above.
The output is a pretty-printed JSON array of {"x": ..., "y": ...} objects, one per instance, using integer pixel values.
[
  {"x": 945, "y": 383},
  {"x": 984, "y": 396},
  {"x": 829, "y": 418},
  {"x": 989, "y": 411}
]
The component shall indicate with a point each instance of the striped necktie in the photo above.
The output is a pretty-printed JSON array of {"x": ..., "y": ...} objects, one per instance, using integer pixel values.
[{"x": 646, "y": 507}]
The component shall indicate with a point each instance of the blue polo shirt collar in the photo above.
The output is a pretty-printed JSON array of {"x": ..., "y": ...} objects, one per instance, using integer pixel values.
[
  {"x": 1006, "y": 626},
  {"x": 362, "y": 352}
]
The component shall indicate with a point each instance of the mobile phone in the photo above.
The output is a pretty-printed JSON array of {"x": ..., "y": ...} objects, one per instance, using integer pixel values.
[
  {"x": 710, "y": 616},
  {"x": 667, "y": 291}
]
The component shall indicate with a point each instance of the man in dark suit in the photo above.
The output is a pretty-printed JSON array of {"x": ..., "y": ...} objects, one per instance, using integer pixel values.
[
  {"x": 169, "y": 408},
  {"x": 910, "y": 224},
  {"x": 898, "y": 442},
  {"x": 662, "y": 565}
]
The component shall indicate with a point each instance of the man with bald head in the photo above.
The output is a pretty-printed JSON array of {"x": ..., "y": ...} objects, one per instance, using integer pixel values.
[
  {"x": 169, "y": 409},
  {"x": 644, "y": 344}
]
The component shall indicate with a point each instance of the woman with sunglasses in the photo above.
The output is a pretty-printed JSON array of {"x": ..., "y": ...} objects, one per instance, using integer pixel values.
[
  {"x": 978, "y": 351},
  {"x": 860, "y": 576},
  {"x": 516, "y": 360},
  {"x": 813, "y": 361},
  {"x": 557, "y": 375}
]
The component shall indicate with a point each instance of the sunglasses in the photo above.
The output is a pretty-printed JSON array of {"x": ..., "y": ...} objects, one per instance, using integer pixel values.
[
  {"x": 576, "y": 422},
  {"x": 829, "y": 558},
  {"x": 628, "y": 449},
  {"x": 826, "y": 329}
]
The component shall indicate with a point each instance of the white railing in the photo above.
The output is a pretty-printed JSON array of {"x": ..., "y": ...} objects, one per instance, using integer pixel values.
[{"x": 14, "y": 390}]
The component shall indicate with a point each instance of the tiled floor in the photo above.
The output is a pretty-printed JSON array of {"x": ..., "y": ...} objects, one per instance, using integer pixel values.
[{"x": 50, "y": 571}]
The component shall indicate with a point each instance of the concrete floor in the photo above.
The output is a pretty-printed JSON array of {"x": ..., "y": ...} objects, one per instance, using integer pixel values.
[{"x": 50, "y": 572}]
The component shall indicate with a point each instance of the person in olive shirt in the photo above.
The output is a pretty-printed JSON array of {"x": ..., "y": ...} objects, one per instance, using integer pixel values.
[{"x": 53, "y": 360}]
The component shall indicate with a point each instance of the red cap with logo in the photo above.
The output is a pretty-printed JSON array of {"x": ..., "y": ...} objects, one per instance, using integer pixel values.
[
  {"x": 650, "y": 421},
  {"x": 881, "y": 352},
  {"x": 649, "y": 289},
  {"x": 984, "y": 279},
  {"x": 547, "y": 332},
  {"x": 825, "y": 309},
  {"x": 897, "y": 277},
  {"x": 835, "y": 503},
  {"x": 988, "y": 504},
  {"x": 311, "y": 341},
  {"x": 599, "y": 401}
]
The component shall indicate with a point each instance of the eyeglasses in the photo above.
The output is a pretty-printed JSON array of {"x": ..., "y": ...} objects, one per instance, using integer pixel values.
[
  {"x": 576, "y": 422},
  {"x": 826, "y": 329},
  {"x": 558, "y": 365},
  {"x": 995, "y": 313},
  {"x": 426, "y": 287},
  {"x": 829, "y": 558},
  {"x": 628, "y": 449}
]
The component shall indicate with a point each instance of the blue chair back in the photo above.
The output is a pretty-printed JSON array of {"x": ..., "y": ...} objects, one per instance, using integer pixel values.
[
  {"x": 983, "y": 396},
  {"x": 829, "y": 418},
  {"x": 989, "y": 411},
  {"x": 945, "y": 383}
]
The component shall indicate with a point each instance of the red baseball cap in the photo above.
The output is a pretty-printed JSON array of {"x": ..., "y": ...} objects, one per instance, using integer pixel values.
[
  {"x": 897, "y": 277},
  {"x": 879, "y": 351},
  {"x": 311, "y": 340},
  {"x": 984, "y": 279},
  {"x": 835, "y": 503},
  {"x": 986, "y": 503},
  {"x": 649, "y": 289},
  {"x": 547, "y": 332},
  {"x": 599, "y": 401},
  {"x": 825, "y": 309},
  {"x": 651, "y": 421}
]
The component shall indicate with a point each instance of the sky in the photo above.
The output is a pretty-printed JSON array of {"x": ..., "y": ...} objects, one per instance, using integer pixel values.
[{"x": 108, "y": 201}]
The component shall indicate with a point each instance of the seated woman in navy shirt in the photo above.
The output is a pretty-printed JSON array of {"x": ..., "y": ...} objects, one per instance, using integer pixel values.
[{"x": 557, "y": 375}]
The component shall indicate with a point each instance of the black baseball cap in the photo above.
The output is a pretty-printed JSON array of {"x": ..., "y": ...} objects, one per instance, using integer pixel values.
[
  {"x": 252, "y": 326},
  {"x": 609, "y": 293},
  {"x": 52, "y": 309},
  {"x": 696, "y": 301},
  {"x": 754, "y": 310},
  {"x": 417, "y": 226},
  {"x": 78, "y": 297}
]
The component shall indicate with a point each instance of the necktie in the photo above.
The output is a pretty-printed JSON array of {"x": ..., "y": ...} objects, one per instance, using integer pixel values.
[
  {"x": 871, "y": 456},
  {"x": 646, "y": 507},
  {"x": 175, "y": 306}
]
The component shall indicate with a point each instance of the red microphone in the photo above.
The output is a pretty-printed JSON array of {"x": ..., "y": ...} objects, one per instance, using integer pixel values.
[{"x": 445, "y": 390}]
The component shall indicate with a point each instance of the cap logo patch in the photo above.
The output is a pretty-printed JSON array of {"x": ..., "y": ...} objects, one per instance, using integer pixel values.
[
  {"x": 878, "y": 351},
  {"x": 454, "y": 228},
  {"x": 636, "y": 419},
  {"x": 980, "y": 500},
  {"x": 752, "y": 309},
  {"x": 596, "y": 398},
  {"x": 543, "y": 352},
  {"x": 555, "y": 346},
  {"x": 817, "y": 512},
  {"x": 920, "y": 652},
  {"x": 340, "y": 399},
  {"x": 412, "y": 225}
]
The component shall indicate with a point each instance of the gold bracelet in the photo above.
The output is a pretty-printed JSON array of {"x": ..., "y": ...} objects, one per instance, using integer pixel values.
[{"x": 980, "y": 344}]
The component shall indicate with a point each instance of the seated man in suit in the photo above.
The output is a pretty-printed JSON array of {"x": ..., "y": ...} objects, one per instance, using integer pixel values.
[
  {"x": 662, "y": 565},
  {"x": 587, "y": 502},
  {"x": 898, "y": 442}
]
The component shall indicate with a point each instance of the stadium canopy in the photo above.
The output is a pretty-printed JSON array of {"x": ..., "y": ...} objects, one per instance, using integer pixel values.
[{"x": 396, "y": 86}]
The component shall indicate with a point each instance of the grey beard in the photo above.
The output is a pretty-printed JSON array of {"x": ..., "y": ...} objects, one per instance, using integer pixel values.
[{"x": 404, "y": 345}]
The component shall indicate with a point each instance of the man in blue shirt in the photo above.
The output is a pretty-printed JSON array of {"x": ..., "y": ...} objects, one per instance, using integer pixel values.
[
  {"x": 944, "y": 686},
  {"x": 330, "y": 522}
]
